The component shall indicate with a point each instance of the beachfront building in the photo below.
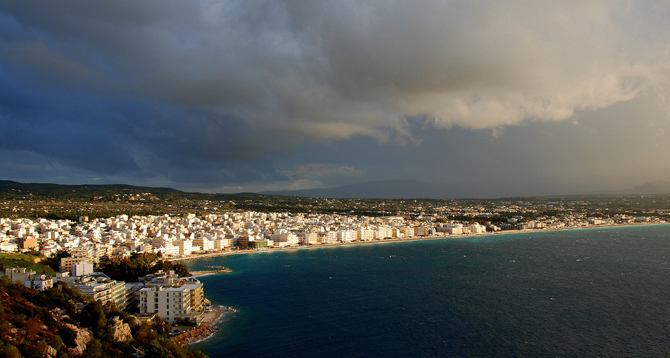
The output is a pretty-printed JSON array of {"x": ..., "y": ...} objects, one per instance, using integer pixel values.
[
  {"x": 220, "y": 244},
  {"x": 454, "y": 228},
  {"x": 185, "y": 246},
  {"x": 363, "y": 234},
  {"x": 424, "y": 231},
  {"x": 346, "y": 235},
  {"x": 260, "y": 244},
  {"x": 169, "y": 304},
  {"x": 408, "y": 231},
  {"x": 383, "y": 232},
  {"x": 310, "y": 238},
  {"x": 165, "y": 247},
  {"x": 328, "y": 237},
  {"x": 243, "y": 241},
  {"x": 204, "y": 243},
  {"x": 476, "y": 228},
  {"x": 284, "y": 239},
  {"x": 172, "y": 297}
]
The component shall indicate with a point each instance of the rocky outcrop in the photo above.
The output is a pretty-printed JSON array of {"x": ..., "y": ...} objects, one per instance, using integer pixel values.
[
  {"x": 121, "y": 331},
  {"x": 51, "y": 352},
  {"x": 82, "y": 339},
  {"x": 195, "y": 335}
]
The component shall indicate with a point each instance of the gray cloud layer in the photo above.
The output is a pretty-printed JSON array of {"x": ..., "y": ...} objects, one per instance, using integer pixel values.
[{"x": 225, "y": 87}]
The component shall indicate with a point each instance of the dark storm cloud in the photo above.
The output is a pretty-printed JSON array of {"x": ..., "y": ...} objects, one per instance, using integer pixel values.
[{"x": 227, "y": 91}]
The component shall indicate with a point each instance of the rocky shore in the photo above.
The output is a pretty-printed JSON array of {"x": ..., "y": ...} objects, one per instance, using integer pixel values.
[
  {"x": 195, "y": 335},
  {"x": 207, "y": 327}
]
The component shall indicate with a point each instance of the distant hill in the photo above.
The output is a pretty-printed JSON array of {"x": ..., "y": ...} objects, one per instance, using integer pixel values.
[
  {"x": 415, "y": 189},
  {"x": 60, "y": 189},
  {"x": 89, "y": 190},
  {"x": 389, "y": 189},
  {"x": 658, "y": 187}
]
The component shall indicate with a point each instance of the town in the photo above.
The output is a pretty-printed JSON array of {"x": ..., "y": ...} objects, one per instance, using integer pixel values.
[
  {"x": 185, "y": 226},
  {"x": 90, "y": 242},
  {"x": 118, "y": 228}
]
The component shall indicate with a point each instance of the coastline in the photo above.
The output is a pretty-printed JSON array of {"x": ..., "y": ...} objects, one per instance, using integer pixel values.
[
  {"x": 382, "y": 241},
  {"x": 209, "y": 272},
  {"x": 205, "y": 330},
  {"x": 509, "y": 278}
]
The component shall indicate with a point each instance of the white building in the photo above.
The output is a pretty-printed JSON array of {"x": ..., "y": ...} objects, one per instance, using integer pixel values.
[
  {"x": 346, "y": 235},
  {"x": 100, "y": 287},
  {"x": 82, "y": 268},
  {"x": 172, "y": 298},
  {"x": 29, "y": 279},
  {"x": 476, "y": 228},
  {"x": 310, "y": 238}
]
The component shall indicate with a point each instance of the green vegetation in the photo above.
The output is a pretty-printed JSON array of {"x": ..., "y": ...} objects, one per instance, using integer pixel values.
[
  {"x": 138, "y": 265},
  {"x": 34, "y": 324},
  {"x": 100, "y": 201},
  {"x": 29, "y": 261}
]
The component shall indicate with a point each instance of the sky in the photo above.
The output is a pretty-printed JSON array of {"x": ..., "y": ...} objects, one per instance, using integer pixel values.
[{"x": 235, "y": 96}]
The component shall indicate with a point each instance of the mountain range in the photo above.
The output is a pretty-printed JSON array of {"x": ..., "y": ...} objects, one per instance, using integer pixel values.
[
  {"x": 405, "y": 189},
  {"x": 389, "y": 189}
]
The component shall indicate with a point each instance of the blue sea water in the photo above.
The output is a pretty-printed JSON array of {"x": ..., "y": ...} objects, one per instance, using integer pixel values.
[{"x": 571, "y": 293}]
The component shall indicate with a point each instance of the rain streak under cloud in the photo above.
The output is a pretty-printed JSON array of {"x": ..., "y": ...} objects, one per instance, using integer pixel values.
[{"x": 254, "y": 95}]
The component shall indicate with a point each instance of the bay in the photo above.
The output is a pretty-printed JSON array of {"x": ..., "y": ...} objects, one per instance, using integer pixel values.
[{"x": 567, "y": 293}]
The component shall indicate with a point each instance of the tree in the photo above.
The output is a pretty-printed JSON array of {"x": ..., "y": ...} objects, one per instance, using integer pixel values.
[
  {"x": 93, "y": 316},
  {"x": 9, "y": 351},
  {"x": 94, "y": 349},
  {"x": 156, "y": 350}
]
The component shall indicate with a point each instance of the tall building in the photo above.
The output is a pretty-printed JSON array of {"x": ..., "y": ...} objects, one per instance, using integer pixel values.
[
  {"x": 172, "y": 297},
  {"x": 99, "y": 287},
  {"x": 66, "y": 263},
  {"x": 82, "y": 268}
]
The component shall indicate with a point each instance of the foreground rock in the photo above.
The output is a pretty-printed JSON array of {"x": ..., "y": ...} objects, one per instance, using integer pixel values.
[
  {"x": 121, "y": 330},
  {"x": 195, "y": 335}
]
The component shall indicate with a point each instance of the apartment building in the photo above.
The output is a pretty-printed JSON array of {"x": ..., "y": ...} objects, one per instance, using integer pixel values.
[{"x": 172, "y": 297}]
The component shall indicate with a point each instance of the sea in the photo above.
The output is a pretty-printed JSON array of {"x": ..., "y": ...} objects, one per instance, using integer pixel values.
[{"x": 598, "y": 292}]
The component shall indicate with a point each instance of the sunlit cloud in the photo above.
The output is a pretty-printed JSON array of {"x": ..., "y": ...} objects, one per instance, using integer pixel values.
[{"x": 201, "y": 94}]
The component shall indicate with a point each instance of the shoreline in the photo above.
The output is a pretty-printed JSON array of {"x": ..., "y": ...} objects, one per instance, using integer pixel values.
[
  {"x": 209, "y": 272},
  {"x": 204, "y": 331},
  {"x": 210, "y": 325},
  {"x": 382, "y": 241}
]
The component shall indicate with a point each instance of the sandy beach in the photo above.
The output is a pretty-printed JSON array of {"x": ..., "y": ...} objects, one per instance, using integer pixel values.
[{"x": 374, "y": 242}]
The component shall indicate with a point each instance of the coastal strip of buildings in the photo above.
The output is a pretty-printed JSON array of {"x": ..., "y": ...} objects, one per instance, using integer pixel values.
[
  {"x": 176, "y": 298},
  {"x": 183, "y": 236}
]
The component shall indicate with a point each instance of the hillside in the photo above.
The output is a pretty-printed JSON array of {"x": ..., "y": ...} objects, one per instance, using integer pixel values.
[
  {"x": 61, "y": 323},
  {"x": 31, "y": 262},
  {"x": 415, "y": 189},
  {"x": 109, "y": 190}
]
